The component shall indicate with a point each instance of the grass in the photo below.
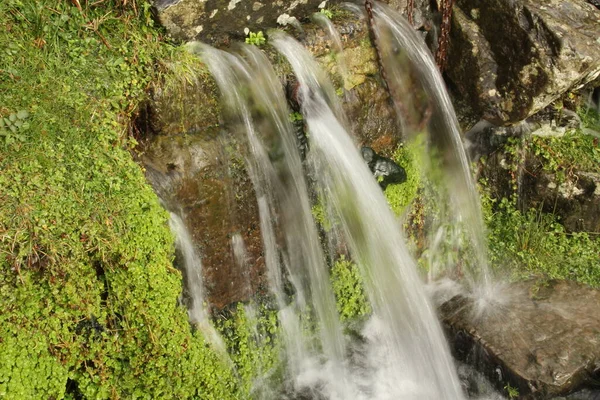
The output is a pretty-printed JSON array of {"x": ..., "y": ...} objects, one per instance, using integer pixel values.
[
  {"x": 88, "y": 291},
  {"x": 530, "y": 243}
]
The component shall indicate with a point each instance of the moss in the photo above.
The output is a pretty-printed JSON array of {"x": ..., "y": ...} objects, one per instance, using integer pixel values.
[
  {"x": 401, "y": 196},
  {"x": 251, "y": 338},
  {"x": 531, "y": 243},
  {"x": 349, "y": 291},
  {"x": 86, "y": 282}
]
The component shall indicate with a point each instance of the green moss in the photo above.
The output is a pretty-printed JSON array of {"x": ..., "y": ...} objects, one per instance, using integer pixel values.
[
  {"x": 400, "y": 196},
  {"x": 88, "y": 292},
  {"x": 349, "y": 291},
  {"x": 251, "y": 339},
  {"x": 530, "y": 242}
]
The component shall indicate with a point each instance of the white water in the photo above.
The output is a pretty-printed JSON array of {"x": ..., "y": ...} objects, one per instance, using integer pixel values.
[
  {"x": 403, "y": 353},
  {"x": 290, "y": 238},
  {"x": 406, "y": 348},
  {"x": 403, "y": 52},
  {"x": 194, "y": 287}
]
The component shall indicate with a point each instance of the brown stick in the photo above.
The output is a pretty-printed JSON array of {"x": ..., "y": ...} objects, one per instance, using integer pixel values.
[
  {"x": 441, "y": 56},
  {"x": 410, "y": 8}
]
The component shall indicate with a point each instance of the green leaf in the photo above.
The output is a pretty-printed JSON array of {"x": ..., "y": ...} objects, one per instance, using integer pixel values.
[{"x": 23, "y": 114}]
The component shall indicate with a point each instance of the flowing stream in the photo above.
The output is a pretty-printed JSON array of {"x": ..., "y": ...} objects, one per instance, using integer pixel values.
[{"x": 402, "y": 352}]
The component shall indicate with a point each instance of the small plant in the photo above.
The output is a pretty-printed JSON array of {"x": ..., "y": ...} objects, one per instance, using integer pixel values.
[
  {"x": 349, "y": 291},
  {"x": 256, "y": 39},
  {"x": 327, "y": 13},
  {"x": 12, "y": 128},
  {"x": 512, "y": 392},
  {"x": 296, "y": 117}
]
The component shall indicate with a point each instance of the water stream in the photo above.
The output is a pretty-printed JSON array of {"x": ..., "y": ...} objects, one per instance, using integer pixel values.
[{"x": 401, "y": 352}]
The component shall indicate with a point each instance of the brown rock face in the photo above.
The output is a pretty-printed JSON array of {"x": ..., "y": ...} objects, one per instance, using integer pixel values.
[
  {"x": 204, "y": 181},
  {"x": 544, "y": 341},
  {"x": 513, "y": 58}
]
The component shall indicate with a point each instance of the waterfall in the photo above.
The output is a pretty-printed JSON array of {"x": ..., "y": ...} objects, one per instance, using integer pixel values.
[
  {"x": 290, "y": 237},
  {"x": 401, "y": 352},
  {"x": 402, "y": 312},
  {"x": 404, "y": 53}
]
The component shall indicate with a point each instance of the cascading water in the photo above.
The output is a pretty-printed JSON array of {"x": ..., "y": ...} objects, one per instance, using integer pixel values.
[
  {"x": 403, "y": 53},
  {"x": 409, "y": 370},
  {"x": 276, "y": 171},
  {"x": 192, "y": 269},
  {"x": 402, "y": 353}
]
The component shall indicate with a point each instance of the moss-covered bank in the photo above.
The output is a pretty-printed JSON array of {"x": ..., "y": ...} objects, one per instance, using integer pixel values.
[{"x": 88, "y": 294}]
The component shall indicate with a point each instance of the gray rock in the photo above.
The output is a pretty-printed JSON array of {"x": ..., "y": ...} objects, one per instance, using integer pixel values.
[
  {"x": 513, "y": 58},
  {"x": 385, "y": 170},
  {"x": 543, "y": 340},
  {"x": 221, "y": 21}
]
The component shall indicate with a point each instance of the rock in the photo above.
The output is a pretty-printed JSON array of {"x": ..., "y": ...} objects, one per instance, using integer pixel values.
[
  {"x": 385, "y": 170},
  {"x": 202, "y": 178},
  {"x": 198, "y": 169},
  {"x": 172, "y": 108},
  {"x": 543, "y": 340},
  {"x": 514, "y": 58},
  {"x": 222, "y": 21},
  {"x": 575, "y": 198}
]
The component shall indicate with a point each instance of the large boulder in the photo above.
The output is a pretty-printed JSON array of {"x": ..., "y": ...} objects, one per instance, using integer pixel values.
[
  {"x": 543, "y": 340},
  {"x": 513, "y": 58},
  {"x": 220, "y": 21}
]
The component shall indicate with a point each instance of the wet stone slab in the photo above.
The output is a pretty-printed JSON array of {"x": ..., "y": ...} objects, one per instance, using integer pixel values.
[{"x": 544, "y": 340}]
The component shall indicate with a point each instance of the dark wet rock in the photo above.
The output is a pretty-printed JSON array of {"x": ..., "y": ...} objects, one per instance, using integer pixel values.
[
  {"x": 595, "y": 3},
  {"x": 385, "y": 170},
  {"x": 575, "y": 198},
  {"x": 544, "y": 340},
  {"x": 202, "y": 178},
  {"x": 485, "y": 138},
  {"x": 514, "y": 58},
  {"x": 570, "y": 192},
  {"x": 223, "y": 21}
]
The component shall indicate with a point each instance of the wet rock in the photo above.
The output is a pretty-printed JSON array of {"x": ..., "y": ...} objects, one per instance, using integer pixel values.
[
  {"x": 514, "y": 58},
  {"x": 223, "y": 21},
  {"x": 202, "y": 178},
  {"x": 385, "y": 170},
  {"x": 543, "y": 340},
  {"x": 574, "y": 198},
  {"x": 570, "y": 190}
]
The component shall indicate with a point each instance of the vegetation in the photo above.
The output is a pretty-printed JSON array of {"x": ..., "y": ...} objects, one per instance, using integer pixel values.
[
  {"x": 349, "y": 291},
  {"x": 327, "y": 13},
  {"x": 256, "y": 38},
  {"x": 251, "y": 341},
  {"x": 529, "y": 242},
  {"x": 86, "y": 283},
  {"x": 400, "y": 196}
]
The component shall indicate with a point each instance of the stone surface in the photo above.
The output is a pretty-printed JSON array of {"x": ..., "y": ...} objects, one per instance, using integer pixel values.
[
  {"x": 513, "y": 58},
  {"x": 202, "y": 178},
  {"x": 384, "y": 169},
  {"x": 221, "y": 21},
  {"x": 573, "y": 194},
  {"x": 543, "y": 340},
  {"x": 576, "y": 199}
]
